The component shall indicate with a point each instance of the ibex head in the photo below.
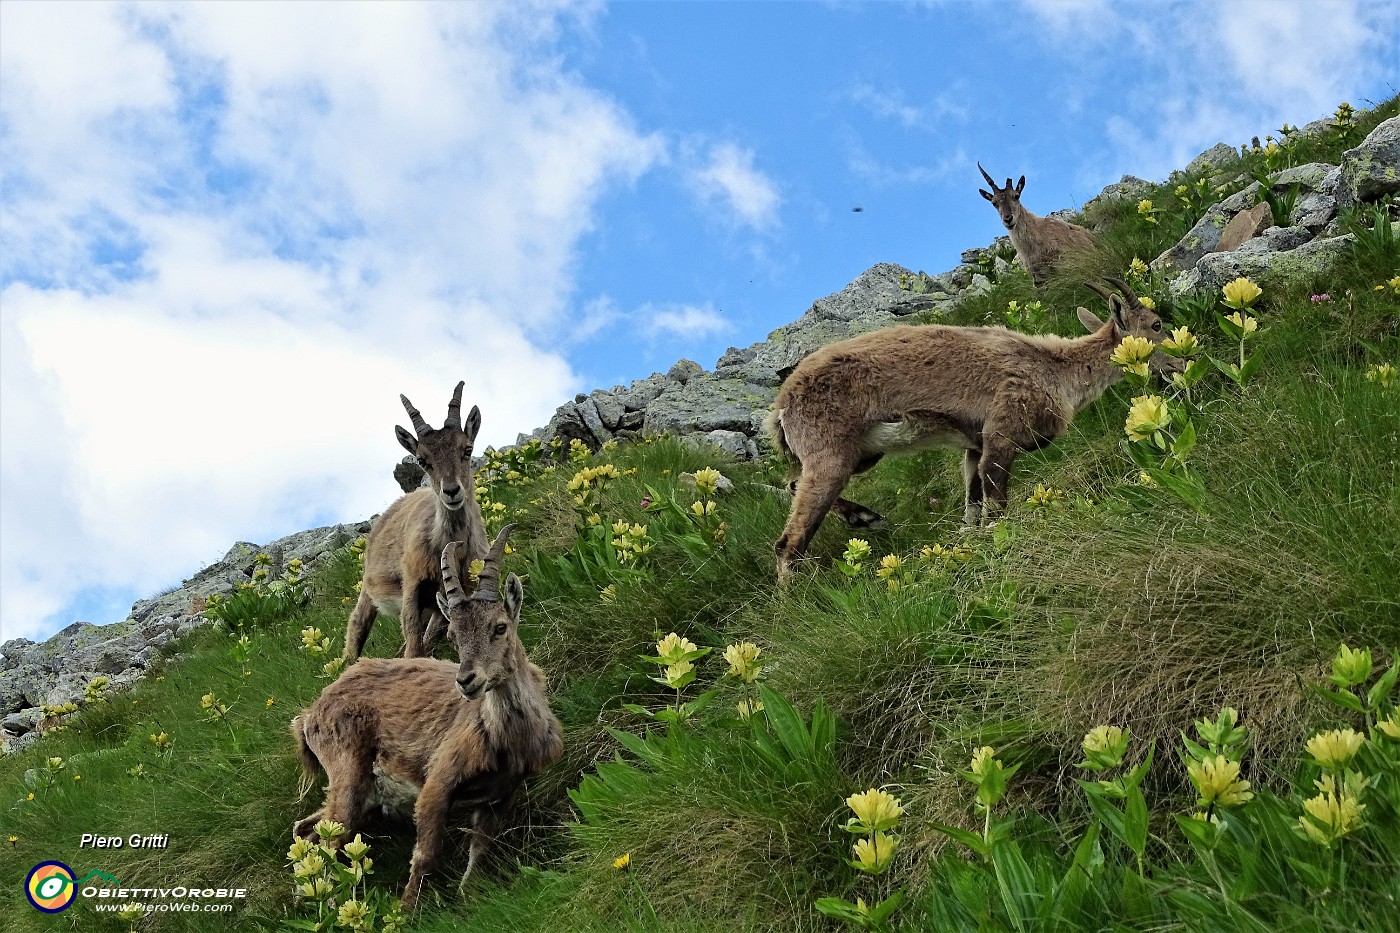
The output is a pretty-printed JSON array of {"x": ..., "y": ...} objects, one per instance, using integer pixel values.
[
  {"x": 1131, "y": 317},
  {"x": 1006, "y": 200},
  {"x": 482, "y": 625},
  {"x": 444, "y": 453}
]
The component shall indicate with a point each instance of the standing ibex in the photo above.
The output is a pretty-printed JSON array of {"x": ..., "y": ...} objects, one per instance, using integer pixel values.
[
  {"x": 1039, "y": 241},
  {"x": 991, "y": 391},
  {"x": 470, "y": 732},
  {"x": 401, "y": 558}
]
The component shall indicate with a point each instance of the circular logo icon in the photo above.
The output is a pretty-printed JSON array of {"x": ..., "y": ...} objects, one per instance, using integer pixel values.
[{"x": 50, "y": 887}]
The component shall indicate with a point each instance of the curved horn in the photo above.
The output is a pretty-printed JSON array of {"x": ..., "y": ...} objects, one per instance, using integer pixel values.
[
  {"x": 1123, "y": 287},
  {"x": 988, "y": 177},
  {"x": 451, "y": 583},
  {"x": 454, "y": 409},
  {"x": 1102, "y": 292},
  {"x": 486, "y": 586},
  {"x": 419, "y": 425}
]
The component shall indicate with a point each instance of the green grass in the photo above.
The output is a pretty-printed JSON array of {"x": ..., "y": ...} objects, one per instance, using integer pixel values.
[{"x": 1124, "y": 607}]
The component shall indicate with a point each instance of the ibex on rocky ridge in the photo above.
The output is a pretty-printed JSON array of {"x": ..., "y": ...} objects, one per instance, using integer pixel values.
[
  {"x": 991, "y": 391},
  {"x": 395, "y": 728},
  {"x": 1040, "y": 241},
  {"x": 401, "y": 557}
]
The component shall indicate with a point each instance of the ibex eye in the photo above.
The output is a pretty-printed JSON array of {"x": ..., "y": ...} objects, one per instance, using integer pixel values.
[
  {"x": 1156, "y": 325},
  {"x": 501, "y": 629}
]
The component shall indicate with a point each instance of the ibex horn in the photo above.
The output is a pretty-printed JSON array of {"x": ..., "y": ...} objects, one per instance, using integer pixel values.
[
  {"x": 1123, "y": 287},
  {"x": 451, "y": 583},
  {"x": 454, "y": 409},
  {"x": 1102, "y": 292},
  {"x": 486, "y": 586},
  {"x": 986, "y": 176},
  {"x": 419, "y": 425}
]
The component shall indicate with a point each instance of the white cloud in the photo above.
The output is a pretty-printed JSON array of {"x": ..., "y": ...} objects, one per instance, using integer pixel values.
[
  {"x": 868, "y": 166},
  {"x": 730, "y": 177},
  {"x": 235, "y": 233},
  {"x": 685, "y": 321},
  {"x": 891, "y": 104}
]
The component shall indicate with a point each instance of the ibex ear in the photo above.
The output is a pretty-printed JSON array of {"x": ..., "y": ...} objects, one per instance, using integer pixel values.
[
  {"x": 515, "y": 595},
  {"x": 442, "y": 606},
  {"x": 473, "y": 424},
  {"x": 1090, "y": 320},
  {"x": 985, "y": 194},
  {"x": 407, "y": 439},
  {"x": 1020, "y": 186},
  {"x": 1120, "y": 314}
]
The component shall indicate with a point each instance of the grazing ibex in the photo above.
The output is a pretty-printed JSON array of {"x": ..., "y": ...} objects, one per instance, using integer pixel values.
[
  {"x": 1039, "y": 241},
  {"x": 401, "y": 557},
  {"x": 470, "y": 732},
  {"x": 991, "y": 391}
]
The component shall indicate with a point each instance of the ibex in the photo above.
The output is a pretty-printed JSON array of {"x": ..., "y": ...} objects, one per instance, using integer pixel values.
[
  {"x": 1039, "y": 241},
  {"x": 469, "y": 732},
  {"x": 401, "y": 557},
  {"x": 991, "y": 391}
]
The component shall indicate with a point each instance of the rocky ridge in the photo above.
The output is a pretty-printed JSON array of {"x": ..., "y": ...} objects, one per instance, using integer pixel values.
[{"x": 725, "y": 406}]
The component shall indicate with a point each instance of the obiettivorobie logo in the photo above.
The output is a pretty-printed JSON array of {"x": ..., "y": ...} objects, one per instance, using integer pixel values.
[{"x": 51, "y": 886}]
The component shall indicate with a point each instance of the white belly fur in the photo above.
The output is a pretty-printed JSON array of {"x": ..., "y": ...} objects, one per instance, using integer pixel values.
[{"x": 902, "y": 437}]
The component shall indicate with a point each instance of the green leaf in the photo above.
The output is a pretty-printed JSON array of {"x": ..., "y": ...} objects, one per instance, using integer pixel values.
[
  {"x": 1185, "y": 441},
  {"x": 841, "y": 909},
  {"x": 883, "y": 910},
  {"x": 637, "y": 745},
  {"x": 699, "y": 703},
  {"x": 1249, "y": 366},
  {"x": 1019, "y": 890},
  {"x": 1380, "y": 690},
  {"x": 1202, "y": 834},
  {"x": 1135, "y": 821},
  {"x": 1343, "y": 698},
  {"x": 639, "y": 710},
  {"x": 968, "y": 838},
  {"x": 1108, "y": 814}
]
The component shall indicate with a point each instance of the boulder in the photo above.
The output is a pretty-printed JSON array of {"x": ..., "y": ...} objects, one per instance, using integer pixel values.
[
  {"x": 1216, "y": 156},
  {"x": 1372, "y": 169},
  {"x": 684, "y": 370},
  {"x": 409, "y": 474},
  {"x": 1127, "y": 188},
  {"x": 1263, "y": 265},
  {"x": 1244, "y": 226},
  {"x": 706, "y": 404},
  {"x": 1203, "y": 237},
  {"x": 641, "y": 392},
  {"x": 610, "y": 408},
  {"x": 734, "y": 443}
]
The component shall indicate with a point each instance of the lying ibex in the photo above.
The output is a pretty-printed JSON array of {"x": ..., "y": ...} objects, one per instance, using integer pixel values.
[
  {"x": 470, "y": 732},
  {"x": 991, "y": 391},
  {"x": 1039, "y": 241},
  {"x": 401, "y": 558}
]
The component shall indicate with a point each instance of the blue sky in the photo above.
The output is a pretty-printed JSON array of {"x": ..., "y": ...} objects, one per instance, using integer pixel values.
[{"x": 232, "y": 233}]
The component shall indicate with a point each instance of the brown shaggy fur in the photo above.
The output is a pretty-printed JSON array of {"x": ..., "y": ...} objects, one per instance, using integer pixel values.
[
  {"x": 1040, "y": 241},
  {"x": 401, "y": 557},
  {"x": 470, "y": 732},
  {"x": 992, "y": 392}
]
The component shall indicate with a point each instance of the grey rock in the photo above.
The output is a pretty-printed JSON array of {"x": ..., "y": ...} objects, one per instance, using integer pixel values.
[
  {"x": 13, "y": 651},
  {"x": 631, "y": 421},
  {"x": 980, "y": 285},
  {"x": 1219, "y": 155},
  {"x": 568, "y": 425},
  {"x": 1269, "y": 269},
  {"x": 734, "y": 357},
  {"x": 1276, "y": 240},
  {"x": 734, "y": 443},
  {"x": 706, "y": 404},
  {"x": 1205, "y": 235},
  {"x": 684, "y": 370},
  {"x": 1244, "y": 226},
  {"x": 641, "y": 393},
  {"x": 409, "y": 474},
  {"x": 13, "y": 746},
  {"x": 589, "y": 413},
  {"x": 23, "y": 721},
  {"x": 1372, "y": 169},
  {"x": 1129, "y": 188},
  {"x": 1313, "y": 211},
  {"x": 610, "y": 409},
  {"x": 1309, "y": 177}
]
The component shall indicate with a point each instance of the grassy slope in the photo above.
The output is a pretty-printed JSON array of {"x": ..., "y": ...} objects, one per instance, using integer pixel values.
[{"x": 1136, "y": 611}]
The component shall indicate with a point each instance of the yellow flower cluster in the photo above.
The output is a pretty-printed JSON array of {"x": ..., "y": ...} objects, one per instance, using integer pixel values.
[
  {"x": 857, "y": 552},
  {"x": 1181, "y": 343},
  {"x": 211, "y": 704},
  {"x": 1241, "y": 293},
  {"x": 1218, "y": 782},
  {"x": 1335, "y": 811},
  {"x": 1383, "y": 374},
  {"x": 1043, "y": 497},
  {"x": 743, "y": 661},
  {"x": 630, "y": 541},
  {"x": 314, "y": 642},
  {"x": 707, "y": 481},
  {"x": 876, "y": 813},
  {"x": 162, "y": 741},
  {"x": 1335, "y": 749},
  {"x": 1145, "y": 211},
  {"x": 1146, "y": 417},
  {"x": 1137, "y": 269},
  {"x": 1132, "y": 355},
  {"x": 947, "y": 557},
  {"x": 588, "y": 484}
]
